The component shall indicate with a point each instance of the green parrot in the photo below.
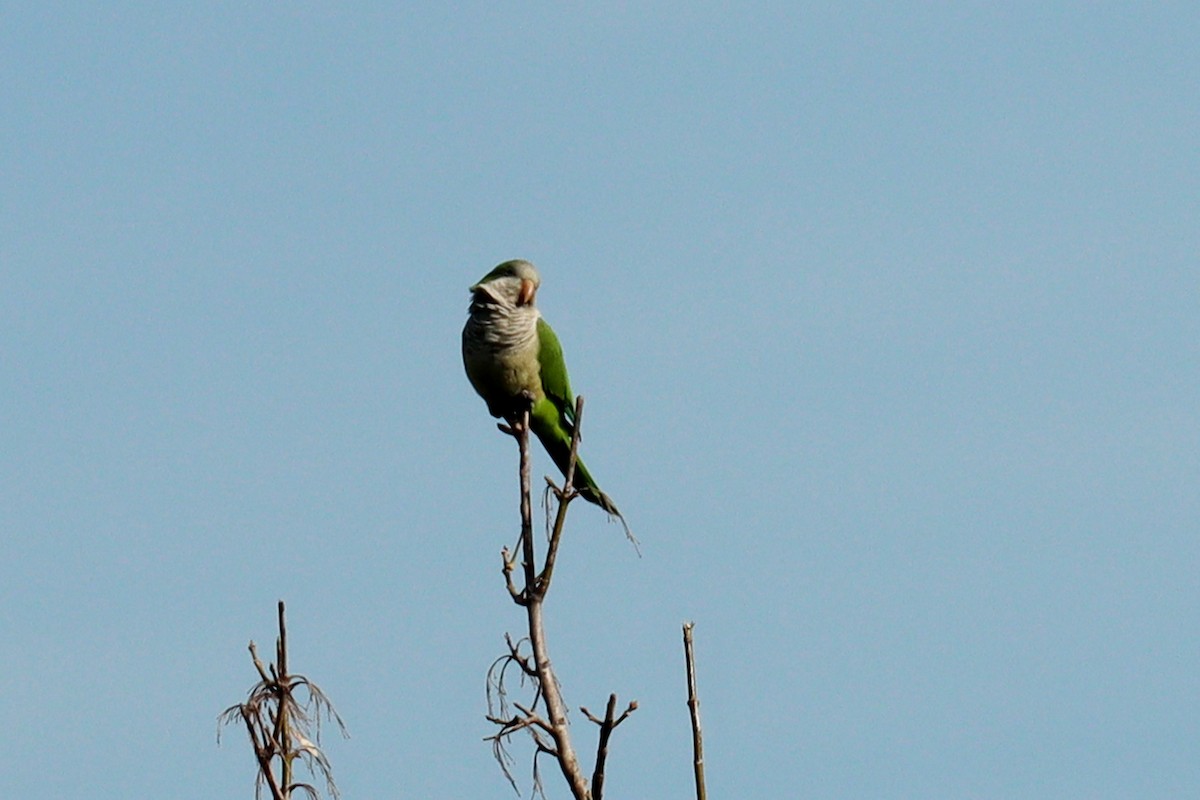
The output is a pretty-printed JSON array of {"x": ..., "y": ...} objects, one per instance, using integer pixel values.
[{"x": 513, "y": 359}]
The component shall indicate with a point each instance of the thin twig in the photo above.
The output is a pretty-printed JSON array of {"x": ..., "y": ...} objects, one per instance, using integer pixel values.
[
  {"x": 283, "y": 733},
  {"x": 510, "y": 565},
  {"x": 258, "y": 665},
  {"x": 263, "y": 756},
  {"x": 531, "y": 596},
  {"x": 694, "y": 708},
  {"x": 602, "y": 748},
  {"x": 279, "y": 726},
  {"x": 547, "y": 681},
  {"x": 555, "y": 706},
  {"x": 565, "y": 496},
  {"x": 527, "y": 563},
  {"x": 607, "y": 726}
]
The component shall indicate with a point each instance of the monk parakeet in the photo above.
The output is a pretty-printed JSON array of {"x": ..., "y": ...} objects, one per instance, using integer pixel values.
[{"x": 513, "y": 360}]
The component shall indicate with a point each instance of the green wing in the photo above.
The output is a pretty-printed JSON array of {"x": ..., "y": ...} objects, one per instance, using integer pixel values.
[
  {"x": 555, "y": 382},
  {"x": 553, "y": 420}
]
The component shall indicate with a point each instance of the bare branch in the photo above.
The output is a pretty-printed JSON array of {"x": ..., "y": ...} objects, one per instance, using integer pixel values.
[
  {"x": 607, "y": 726},
  {"x": 263, "y": 755},
  {"x": 279, "y": 724},
  {"x": 510, "y": 564},
  {"x": 547, "y": 681},
  {"x": 258, "y": 665},
  {"x": 565, "y": 496},
  {"x": 550, "y": 731},
  {"x": 694, "y": 706}
]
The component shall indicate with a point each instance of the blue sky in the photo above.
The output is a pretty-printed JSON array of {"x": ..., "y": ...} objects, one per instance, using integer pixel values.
[{"x": 886, "y": 316}]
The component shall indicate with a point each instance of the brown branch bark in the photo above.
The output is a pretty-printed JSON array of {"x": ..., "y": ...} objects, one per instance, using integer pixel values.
[
  {"x": 283, "y": 731},
  {"x": 565, "y": 496},
  {"x": 607, "y": 726},
  {"x": 263, "y": 756},
  {"x": 278, "y": 725},
  {"x": 553, "y": 723},
  {"x": 694, "y": 707},
  {"x": 535, "y": 595}
]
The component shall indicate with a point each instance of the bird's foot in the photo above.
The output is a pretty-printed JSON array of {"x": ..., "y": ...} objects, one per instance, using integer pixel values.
[{"x": 513, "y": 424}]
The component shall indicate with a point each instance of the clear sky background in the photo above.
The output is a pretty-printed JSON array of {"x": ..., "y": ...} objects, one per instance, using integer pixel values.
[{"x": 886, "y": 316}]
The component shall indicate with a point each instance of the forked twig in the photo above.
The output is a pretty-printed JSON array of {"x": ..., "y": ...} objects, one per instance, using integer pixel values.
[
  {"x": 607, "y": 726},
  {"x": 281, "y": 728},
  {"x": 552, "y": 721}
]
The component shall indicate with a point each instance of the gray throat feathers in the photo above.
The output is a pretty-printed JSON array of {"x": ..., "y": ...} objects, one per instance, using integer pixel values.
[{"x": 498, "y": 326}]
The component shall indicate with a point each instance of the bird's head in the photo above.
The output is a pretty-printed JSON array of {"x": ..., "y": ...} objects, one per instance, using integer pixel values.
[{"x": 513, "y": 283}]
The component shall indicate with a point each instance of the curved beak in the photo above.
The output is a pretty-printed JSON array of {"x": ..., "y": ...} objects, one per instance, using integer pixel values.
[{"x": 528, "y": 290}]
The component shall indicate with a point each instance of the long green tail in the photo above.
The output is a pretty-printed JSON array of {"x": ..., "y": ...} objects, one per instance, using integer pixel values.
[
  {"x": 558, "y": 444},
  {"x": 557, "y": 441}
]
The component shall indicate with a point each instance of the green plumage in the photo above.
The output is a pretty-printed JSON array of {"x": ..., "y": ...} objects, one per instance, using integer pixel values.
[
  {"x": 513, "y": 358},
  {"x": 553, "y": 416}
]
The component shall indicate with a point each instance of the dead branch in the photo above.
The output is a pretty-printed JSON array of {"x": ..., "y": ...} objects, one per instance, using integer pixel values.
[
  {"x": 281, "y": 728},
  {"x": 694, "y": 707},
  {"x": 565, "y": 496},
  {"x": 607, "y": 726},
  {"x": 547, "y": 715}
]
